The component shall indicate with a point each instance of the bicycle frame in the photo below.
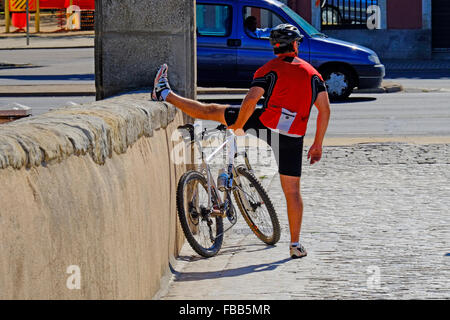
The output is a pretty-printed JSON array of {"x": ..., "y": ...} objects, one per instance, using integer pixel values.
[
  {"x": 248, "y": 195},
  {"x": 232, "y": 152}
]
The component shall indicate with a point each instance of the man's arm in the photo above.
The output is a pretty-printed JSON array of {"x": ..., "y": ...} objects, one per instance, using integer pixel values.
[
  {"x": 248, "y": 106},
  {"x": 323, "y": 105},
  {"x": 263, "y": 33}
]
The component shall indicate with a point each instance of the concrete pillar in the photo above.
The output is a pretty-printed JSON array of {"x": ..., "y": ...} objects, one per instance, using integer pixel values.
[{"x": 133, "y": 38}]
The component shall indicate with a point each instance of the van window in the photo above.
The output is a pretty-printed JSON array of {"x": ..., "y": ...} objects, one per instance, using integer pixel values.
[
  {"x": 258, "y": 22},
  {"x": 213, "y": 20}
]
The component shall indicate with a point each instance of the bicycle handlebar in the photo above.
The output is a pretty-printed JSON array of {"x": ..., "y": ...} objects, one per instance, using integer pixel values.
[
  {"x": 221, "y": 127},
  {"x": 191, "y": 129}
]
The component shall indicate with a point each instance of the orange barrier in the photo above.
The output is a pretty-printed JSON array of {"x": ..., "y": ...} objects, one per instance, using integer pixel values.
[
  {"x": 62, "y": 4},
  {"x": 19, "y": 20},
  {"x": 21, "y": 5},
  {"x": 83, "y": 4}
]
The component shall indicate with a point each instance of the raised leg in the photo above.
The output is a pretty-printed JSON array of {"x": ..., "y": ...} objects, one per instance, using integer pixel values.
[{"x": 198, "y": 110}]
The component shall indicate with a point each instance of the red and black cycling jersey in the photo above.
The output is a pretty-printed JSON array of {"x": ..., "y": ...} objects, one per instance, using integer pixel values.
[{"x": 289, "y": 83}]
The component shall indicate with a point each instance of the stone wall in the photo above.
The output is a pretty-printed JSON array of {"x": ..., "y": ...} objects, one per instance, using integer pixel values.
[{"x": 89, "y": 186}]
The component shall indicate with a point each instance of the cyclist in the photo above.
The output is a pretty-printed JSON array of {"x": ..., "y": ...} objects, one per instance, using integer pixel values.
[{"x": 290, "y": 87}]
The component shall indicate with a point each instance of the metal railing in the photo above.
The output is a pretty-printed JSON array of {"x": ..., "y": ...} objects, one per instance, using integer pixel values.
[{"x": 345, "y": 14}]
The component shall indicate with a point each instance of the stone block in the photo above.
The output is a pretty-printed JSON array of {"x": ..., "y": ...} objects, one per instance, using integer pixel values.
[
  {"x": 133, "y": 38},
  {"x": 152, "y": 16}
]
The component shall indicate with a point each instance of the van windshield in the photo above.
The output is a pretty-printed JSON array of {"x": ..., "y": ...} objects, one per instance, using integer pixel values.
[{"x": 309, "y": 29}]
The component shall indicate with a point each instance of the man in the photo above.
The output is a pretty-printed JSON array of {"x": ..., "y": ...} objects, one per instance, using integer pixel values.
[
  {"x": 250, "y": 24},
  {"x": 290, "y": 87}
]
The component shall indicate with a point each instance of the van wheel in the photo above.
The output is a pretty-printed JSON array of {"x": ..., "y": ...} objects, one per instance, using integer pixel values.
[{"x": 340, "y": 82}]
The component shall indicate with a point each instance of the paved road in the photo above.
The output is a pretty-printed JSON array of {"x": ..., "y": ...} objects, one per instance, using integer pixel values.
[
  {"x": 388, "y": 115},
  {"x": 51, "y": 66},
  {"x": 49, "y": 40},
  {"x": 393, "y": 114},
  {"x": 40, "y": 105},
  {"x": 73, "y": 65}
]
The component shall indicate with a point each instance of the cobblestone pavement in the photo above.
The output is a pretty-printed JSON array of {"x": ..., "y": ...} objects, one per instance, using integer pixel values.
[{"x": 376, "y": 226}]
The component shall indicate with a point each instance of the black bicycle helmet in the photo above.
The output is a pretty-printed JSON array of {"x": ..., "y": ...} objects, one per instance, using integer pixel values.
[{"x": 282, "y": 37}]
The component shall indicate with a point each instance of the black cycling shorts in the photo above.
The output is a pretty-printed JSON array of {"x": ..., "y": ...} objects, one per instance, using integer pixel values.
[{"x": 288, "y": 150}]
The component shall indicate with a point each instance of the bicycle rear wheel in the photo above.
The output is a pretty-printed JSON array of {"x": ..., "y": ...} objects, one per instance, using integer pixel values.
[
  {"x": 203, "y": 232},
  {"x": 256, "y": 207}
]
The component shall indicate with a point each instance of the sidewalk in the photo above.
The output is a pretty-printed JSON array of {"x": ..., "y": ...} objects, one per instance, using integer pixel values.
[
  {"x": 375, "y": 226},
  {"x": 77, "y": 39},
  {"x": 47, "y": 90}
]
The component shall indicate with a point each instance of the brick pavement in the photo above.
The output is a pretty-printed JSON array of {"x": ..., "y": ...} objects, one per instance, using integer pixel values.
[{"x": 376, "y": 226}]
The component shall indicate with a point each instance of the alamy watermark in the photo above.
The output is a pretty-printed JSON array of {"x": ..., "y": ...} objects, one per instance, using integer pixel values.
[
  {"x": 374, "y": 20},
  {"x": 73, "y": 17},
  {"x": 374, "y": 278},
  {"x": 373, "y": 11},
  {"x": 74, "y": 280}
]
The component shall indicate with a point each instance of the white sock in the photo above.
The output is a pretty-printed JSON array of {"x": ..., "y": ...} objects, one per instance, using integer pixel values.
[{"x": 164, "y": 93}]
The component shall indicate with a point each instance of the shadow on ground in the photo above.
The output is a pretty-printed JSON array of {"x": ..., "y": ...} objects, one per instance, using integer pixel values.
[
  {"x": 354, "y": 100},
  {"x": 235, "y": 272}
]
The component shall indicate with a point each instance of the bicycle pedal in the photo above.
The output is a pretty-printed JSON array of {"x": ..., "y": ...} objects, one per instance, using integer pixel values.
[{"x": 218, "y": 213}]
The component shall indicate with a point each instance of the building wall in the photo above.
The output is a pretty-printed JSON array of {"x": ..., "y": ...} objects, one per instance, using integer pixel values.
[
  {"x": 390, "y": 44},
  {"x": 404, "y": 14},
  {"x": 405, "y": 28},
  {"x": 302, "y": 7}
]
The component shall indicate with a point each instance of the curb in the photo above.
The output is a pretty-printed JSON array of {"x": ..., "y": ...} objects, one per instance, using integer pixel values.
[
  {"x": 386, "y": 87},
  {"x": 380, "y": 90}
]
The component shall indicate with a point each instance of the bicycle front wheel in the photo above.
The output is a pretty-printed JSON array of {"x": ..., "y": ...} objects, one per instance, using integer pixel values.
[
  {"x": 256, "y": 207},
  {"x": 203, "y": 232}
]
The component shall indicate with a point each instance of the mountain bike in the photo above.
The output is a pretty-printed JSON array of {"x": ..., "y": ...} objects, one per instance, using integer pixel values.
[{"x": 202, "y": 204}]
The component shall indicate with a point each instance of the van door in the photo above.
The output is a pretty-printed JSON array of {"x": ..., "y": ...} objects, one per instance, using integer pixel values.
[
  {"x": 256, "y": 49},
  {"x": 216, "y": 44}
]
